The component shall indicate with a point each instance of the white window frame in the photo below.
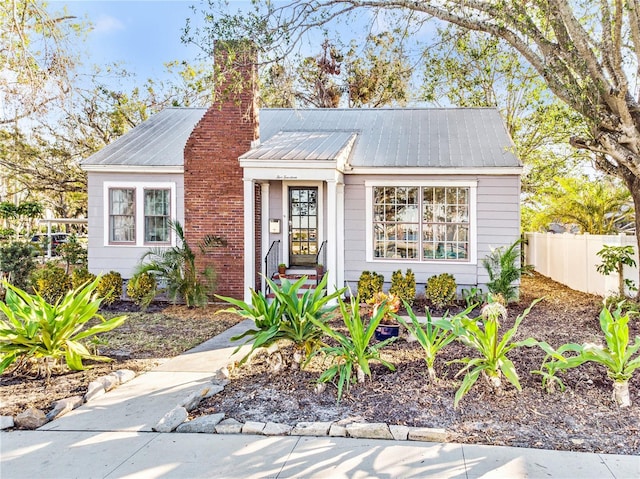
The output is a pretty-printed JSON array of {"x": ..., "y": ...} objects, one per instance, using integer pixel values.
[
  {"x": 139, "y": 188},
  {"x": 399, "y": 183}
]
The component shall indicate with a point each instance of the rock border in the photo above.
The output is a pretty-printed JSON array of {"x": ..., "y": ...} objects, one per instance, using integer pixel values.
[
  {"x": 176, "y": 420},
  {"x": 33, "y": 418}
]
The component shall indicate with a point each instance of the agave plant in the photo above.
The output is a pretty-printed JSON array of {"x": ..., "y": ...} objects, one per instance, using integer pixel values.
[
  {"x": 49, "y": 332},
  {"x": 433, "y": 335},
  {"x": 353, "y": 351},
  {"x": 483, "y": 335}
]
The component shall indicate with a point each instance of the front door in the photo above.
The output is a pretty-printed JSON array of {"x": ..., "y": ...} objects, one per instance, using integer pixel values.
[{"x": 303, "y": 225}]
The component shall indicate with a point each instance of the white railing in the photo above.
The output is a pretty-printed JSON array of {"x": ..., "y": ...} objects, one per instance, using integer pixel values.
[{"x": 572, "y": 260}]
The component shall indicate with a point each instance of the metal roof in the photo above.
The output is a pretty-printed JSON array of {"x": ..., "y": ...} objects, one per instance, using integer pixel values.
[
  {"x": 407, "y": 137},
  {"x": 402, "y": 137},
  {"x": 158, "y": 141},
  {"x": 302, "y": 145}
]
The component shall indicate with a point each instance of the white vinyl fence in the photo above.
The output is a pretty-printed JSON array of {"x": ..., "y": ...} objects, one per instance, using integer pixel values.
[{"x": 572, "y": 260}]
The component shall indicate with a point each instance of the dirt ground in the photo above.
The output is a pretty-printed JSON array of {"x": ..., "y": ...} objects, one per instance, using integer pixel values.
[
  {"x": 142, "y": 342},
  {"x": 583, "y": 418}
]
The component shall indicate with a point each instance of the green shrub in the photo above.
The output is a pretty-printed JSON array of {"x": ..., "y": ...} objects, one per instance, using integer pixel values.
[
  {"x": 142, "y": 288},
  {"x": 7, "y": 234},
  {"x": 73, "y": 252},
  {"x": 36, "y": 329},
  {"x": 81, "y": 276},
  {"x": 51, "y": 282},
  {"x": 474, "y": 296},
  {"x": 17, "y": 260},
  {"x": 441, "y": 290},
  {"x": 404, "y": 287},
  {"x": 369, "y": 284},
  {"x": 110, "y": 287}
]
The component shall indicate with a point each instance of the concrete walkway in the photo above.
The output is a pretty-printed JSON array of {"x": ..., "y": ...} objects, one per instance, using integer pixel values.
[{"x": 111, "y": 437}]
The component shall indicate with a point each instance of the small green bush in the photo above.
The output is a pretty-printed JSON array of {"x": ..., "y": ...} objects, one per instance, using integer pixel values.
[
  {"x": 51, "y": 282},
  {"x": 142, "y": 288},
  {"x": 404, "y": 286},
  {"x": 369, "y": 284},
  {"x": 73, "y": 252},
  {"x": 81, "y": 276},
  {"x": 17, "y": 261},
  {"x": 441, "y": 290},
  {"x": 110, "y": 287}
]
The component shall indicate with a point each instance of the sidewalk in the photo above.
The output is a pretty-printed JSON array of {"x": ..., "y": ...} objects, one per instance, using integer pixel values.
[{"x": 111, "y": 437}]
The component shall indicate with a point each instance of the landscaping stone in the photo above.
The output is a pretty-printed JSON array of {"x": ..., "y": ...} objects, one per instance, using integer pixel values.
[
  {"x": 32, "y": 418},
  {"x": 6, "y": 422},
  {"x": 429, "y": 434},
  {"x": 193, "y": 399},
  {"x": 202, "y": 424},
  {"x": 337, "y": 431},
  {"x": 253, "y": 427},
  {"x": 108, "y": 382},
  {"x": 172, "y": 420},
  {"x": 399, "y": 433},
  {"x": 276, "y": 429},
  {"x": 373, "y": 430},
  {"x": 221, "y": 374},
  {"x": 214, "y": 389},
  {"x": 229, "y": 426},
  {"x": 94, "y": 389},
  {"x": 124, "y": 375},
  {"x": 63, "y": 406},
  {"x": 311, "y": 429}
]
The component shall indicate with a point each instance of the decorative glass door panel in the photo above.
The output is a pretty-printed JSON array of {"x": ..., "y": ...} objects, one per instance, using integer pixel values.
[{"x": 303, "y": 225}]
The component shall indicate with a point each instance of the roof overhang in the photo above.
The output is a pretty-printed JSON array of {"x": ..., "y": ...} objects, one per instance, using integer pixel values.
[
  {"x": 399, "y": 171},
  {"x": 133, "y": 169}
]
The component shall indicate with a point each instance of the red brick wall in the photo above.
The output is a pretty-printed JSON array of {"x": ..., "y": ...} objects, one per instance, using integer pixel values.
[{"x": 213, "y": 184}]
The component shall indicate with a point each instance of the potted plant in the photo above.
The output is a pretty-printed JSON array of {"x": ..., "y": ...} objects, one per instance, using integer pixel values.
[
  {"x": 319, "y": 270},
  {"x": 389, "y": 327},
  {"x": 282, "y": 269}
]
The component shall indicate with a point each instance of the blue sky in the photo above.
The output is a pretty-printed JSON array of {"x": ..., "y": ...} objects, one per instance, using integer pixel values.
[{"x": 143, "y": 35}]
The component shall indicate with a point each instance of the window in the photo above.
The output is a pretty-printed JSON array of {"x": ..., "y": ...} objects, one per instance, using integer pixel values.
[
  {"x": 122, "y": 225},
  {"x": 156, "y": 216},
  {"x": 422, "y": 223},
  {"x": 138, "y": 214}
]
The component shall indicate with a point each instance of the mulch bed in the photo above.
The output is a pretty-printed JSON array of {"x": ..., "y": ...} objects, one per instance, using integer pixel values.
[{"x": 583, "y": 418}]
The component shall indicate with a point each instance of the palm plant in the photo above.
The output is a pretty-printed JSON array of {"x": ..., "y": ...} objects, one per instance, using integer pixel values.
[
  {"x": 502, "y": 265},
  {"x": 482, "y": 335},
  {"x": 175, "y": 268},
  {"x": 353, "y": 351},
  {"x": 33, "y": 328},
  {"x": 433, "y": 335}
]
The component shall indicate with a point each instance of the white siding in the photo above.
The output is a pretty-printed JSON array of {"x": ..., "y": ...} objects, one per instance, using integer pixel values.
[
  {"x": 498, "y": 223},
  {"x": 123, "y": 259}
]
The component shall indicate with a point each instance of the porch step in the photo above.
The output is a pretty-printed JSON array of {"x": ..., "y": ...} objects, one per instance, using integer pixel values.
[{"x": 293, "y": 276}]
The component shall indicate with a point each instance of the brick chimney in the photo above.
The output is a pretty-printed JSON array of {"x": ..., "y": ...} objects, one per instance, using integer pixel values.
[{"x": 213, "y": 186}]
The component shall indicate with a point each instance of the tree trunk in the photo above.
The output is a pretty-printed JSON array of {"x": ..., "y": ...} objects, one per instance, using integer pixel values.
[
  {"x": 432, "y": 374},
  {"x": 621, "y": 393},
  {"x": 633, "y": 183}
]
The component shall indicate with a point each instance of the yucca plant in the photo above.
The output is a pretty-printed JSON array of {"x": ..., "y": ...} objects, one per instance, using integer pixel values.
[
  {"x": 482, "y": 334},
  {"x": 617, "y": 356},
  {"x": 47, "y": 332},
  {"x": 267, "y": 316},
  {"x": 433, "y": 335},
  {"x": 353, "y": 351}
]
